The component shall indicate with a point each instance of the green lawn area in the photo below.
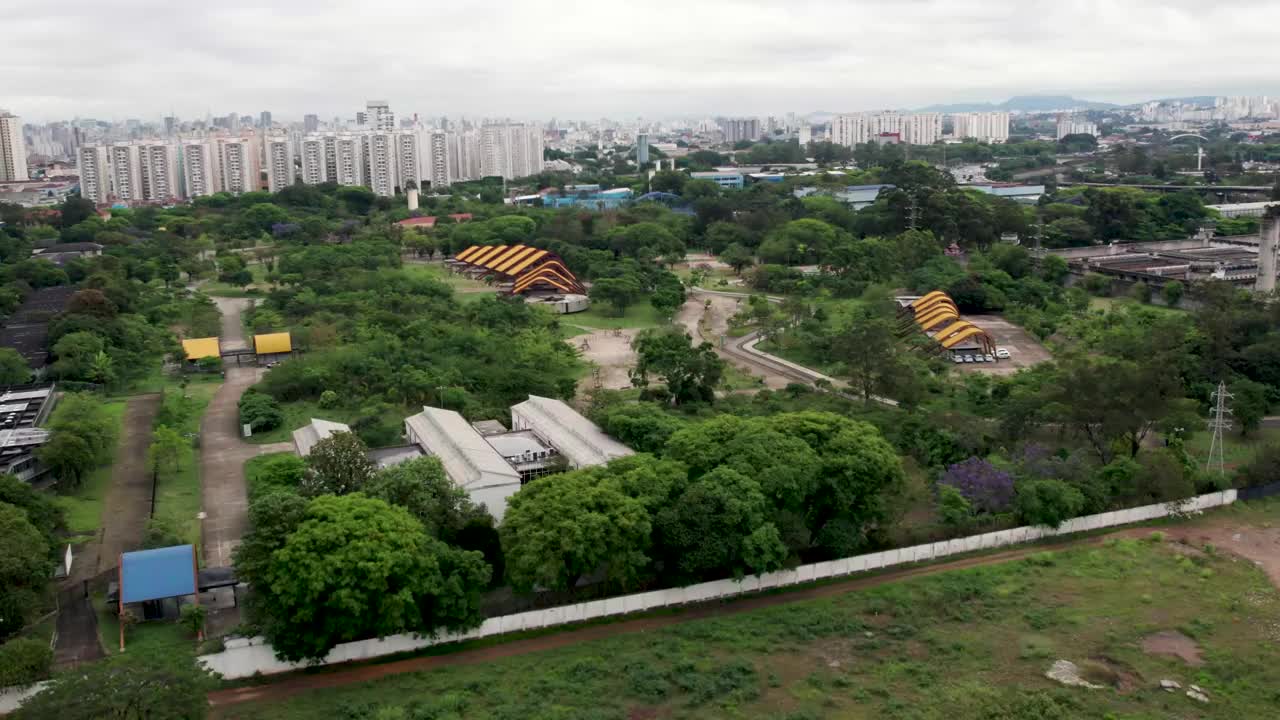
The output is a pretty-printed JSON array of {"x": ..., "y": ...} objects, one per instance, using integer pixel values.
[
  {"x": 1110, "y": 303},
  {"x": 152, "y": 636},
  {"x": 83, "y": 507},
  {"x": 178, "y": 498},
  {"x": 258, "y": 288},
  {"x": 297, "y": 414},
  {"x": 737, "y": 379},
  {"x": 961, "y": 645},
  {"x": 464, "y": 288},
  {"x": 600, "y": 316},
  {"x": 1238, "y": 450}
]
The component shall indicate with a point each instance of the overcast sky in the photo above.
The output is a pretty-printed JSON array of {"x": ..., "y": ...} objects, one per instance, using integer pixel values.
[{"x": 113, "y": 59}]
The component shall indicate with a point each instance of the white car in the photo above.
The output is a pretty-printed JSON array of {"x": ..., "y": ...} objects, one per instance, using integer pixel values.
[
  {"x": 988, "y": 358},
  {"x": 1002, "y": 353},
  {"x": 957, "y": 359}
]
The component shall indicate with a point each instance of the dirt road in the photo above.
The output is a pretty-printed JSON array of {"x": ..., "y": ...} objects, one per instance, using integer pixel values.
[
  {"x": 296, "y": 683},
  {"x": 705, "y": 316},
  {"x": 223, "y": 451}
]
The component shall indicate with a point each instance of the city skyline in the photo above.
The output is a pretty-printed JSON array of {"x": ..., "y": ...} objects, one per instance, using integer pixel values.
[{"x": 81, "y": 59}]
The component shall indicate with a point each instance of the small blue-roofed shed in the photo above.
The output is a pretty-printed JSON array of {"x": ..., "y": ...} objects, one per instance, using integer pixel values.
[{"x": 152, "y": 575}]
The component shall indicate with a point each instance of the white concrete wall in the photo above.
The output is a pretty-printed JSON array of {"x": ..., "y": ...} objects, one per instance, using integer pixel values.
[{"x": 244, "y": 657}]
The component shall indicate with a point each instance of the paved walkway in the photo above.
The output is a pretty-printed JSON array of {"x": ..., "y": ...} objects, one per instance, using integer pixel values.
[
  {"x": 77, "y": 630},
  {"x": 127, "y": 506},
  {"x": 223, "y": 451}
]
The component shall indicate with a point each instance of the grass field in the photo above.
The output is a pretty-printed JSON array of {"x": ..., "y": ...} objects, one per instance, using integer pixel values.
[
  {"x": 638, "y": 315},
  {"x": 257, "y": 288},
  {"x": 159, "y": 637},
  {"x": 1110, "y": 303},
  {"x": 962, "y": 645},
  {"x": 1237, "y": 450},
  {"x": 83, "y": 507},
  {"x": 178, "y": 494}
]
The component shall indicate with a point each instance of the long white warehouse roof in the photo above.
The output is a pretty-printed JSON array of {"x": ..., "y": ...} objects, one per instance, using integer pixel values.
[
  {"x": 468, "y": 459},
  {"x": 566, "y": 430}
]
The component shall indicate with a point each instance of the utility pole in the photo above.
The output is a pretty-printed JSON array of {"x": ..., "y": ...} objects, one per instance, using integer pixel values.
[{"x": 1220, "y": 421}]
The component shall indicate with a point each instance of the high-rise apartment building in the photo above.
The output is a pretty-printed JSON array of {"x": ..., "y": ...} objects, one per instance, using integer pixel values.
[
  {"x": 13, "y": 149},
  {"x": 738, "y": 129},
  {"x": 510, "y": 151},
  {"x": 1068, "y": 125},
  {"x": 991, "y": 127},
  {"x": 439, "y": 169},
  {"x": 642, "y": 148},
  {"x": 310, "y": 123},
  {"x": 378, "y": 116},
  {"x": 264, "y": 119},
  {"x": 921, "y": 128},
  {"x": 95, "y": 173},
  {"x": 348, "y": 167},
  {"x": 315, "y": 169},
  {"x": 158, "y": 171},
  {"x": 380, "y": 156},
  {"x": 278, "y": 152},
  {"x": 913, "y": 128},
  {"x": 126, "y": 172},
  {"x": 238, "y": 159},
  {"x": 200, "y": 168},
  {"x": 410, "y": 160}
]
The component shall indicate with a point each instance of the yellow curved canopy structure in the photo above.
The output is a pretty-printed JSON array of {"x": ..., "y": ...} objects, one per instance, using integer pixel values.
[
  {"x": 964, "y": 334},
  {"x": 952, "y": 329},
  {"x": 931, "y": 318},
  {"x": 928, "y": 297},
  {"x": 465, "y": 255},
  {"x": 934, "y": 303}
]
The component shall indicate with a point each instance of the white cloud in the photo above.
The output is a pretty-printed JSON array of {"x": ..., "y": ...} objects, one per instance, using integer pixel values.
[{"x": 143, "y": 58}]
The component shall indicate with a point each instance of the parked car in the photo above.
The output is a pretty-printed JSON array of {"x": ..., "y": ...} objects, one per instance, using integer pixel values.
[
  {"x": 968, "y": 358},
  {"x": 989, "y": 358},
  {"x": 1002, "y": 353},
  {"x": 957, "y": 359}
]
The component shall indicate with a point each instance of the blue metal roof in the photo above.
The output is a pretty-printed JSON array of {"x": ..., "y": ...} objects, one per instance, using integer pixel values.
[{"x": 155, "y": 574}]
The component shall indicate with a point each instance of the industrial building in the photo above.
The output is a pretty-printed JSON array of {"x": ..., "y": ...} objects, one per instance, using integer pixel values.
[
  {"x": 936, "y": 315},
  {"x": 517, "y": 269},
  {"x": 489, "y": 461},
  {"x": 23, "y": 408}
]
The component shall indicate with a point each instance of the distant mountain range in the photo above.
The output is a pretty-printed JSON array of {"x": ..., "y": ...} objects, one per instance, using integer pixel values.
[{"x": 1025, "y": 103}]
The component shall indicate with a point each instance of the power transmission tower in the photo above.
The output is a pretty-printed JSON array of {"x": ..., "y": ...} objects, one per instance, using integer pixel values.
[
  {"x": 913, "y": 211},
  {"x": 1220, "y": 421}
]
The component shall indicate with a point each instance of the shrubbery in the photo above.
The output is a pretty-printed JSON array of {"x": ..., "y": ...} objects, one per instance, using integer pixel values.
[
  {"x": 24, "y": 661},
  {"x": 260, "y": 411}
]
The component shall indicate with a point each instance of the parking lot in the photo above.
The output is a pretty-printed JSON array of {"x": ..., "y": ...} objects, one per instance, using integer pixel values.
[{"x": 1024, "y": 349}]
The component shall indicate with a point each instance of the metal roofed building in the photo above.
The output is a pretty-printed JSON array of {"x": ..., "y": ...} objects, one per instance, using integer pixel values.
[
  {"x": 468, "y": 459},
  {"x": 22, "y": 409},
  {"x": 306, "y": 437},
  {"x": 578, "y": 439}
]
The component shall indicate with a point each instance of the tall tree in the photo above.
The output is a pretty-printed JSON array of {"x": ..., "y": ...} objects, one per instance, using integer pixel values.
[
  {"x": 138, "y": 685},
  {"x": 339, "y": 465},
  {"x": 689, "y": 372},
  {"x": 357, "y": 568},
  {"x": 560, "y": 528}
]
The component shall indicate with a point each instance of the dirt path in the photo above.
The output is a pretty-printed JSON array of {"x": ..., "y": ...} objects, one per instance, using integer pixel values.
[
  {"x": 127, "y": 506},
  {"x": 611, "y": 351},
  {"x": 77, "y": 630},
  {"x": 296, "y": 683},
  {"x": 706, "y": 317},
  {"x": 223, "y": 451}
]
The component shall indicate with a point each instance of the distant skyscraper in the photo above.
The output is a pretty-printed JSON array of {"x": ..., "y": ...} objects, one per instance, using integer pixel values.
[
  {"x": 314, "y": 167},
  {"x": 170, "y": 124},
  {"x": 264, "y": 119},
  {"x": 158, "y": 171},
  {"x": 13, "y": 149},
  {"x": 378, "y": 115},
  {"x": 310, "y": 123},
  {"x": 738, "y": 129},
  {"x": 805, "y": 135},
  {"x": 917, "y": 128},
  {"x": 642, "y": 148},
  {"x": 981, "y": 126},
  {"x": 510, "y": 151}
]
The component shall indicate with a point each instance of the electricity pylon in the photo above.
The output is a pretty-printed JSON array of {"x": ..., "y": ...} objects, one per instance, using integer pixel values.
[{"x": 1220, "y": 421}]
